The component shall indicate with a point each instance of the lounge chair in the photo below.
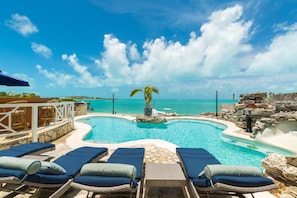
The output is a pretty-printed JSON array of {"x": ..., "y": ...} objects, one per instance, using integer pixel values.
[
  {"x": 56, "y": 175},
  {"x": 33, "y": 148},
  {"x": 205, "y": 173},
  {"x": 114, "y": 176}
]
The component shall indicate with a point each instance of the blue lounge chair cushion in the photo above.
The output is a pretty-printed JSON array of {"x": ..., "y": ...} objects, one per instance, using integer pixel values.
[
  {"x": 232, "y": 170},
  {"x": 4, "y": 172},
  {"x": 132, "y": 156},
  {"x": 71, "y": 162},
  {"x": 87, "y": 151},
  {"x": 48, "y": 179},
  {"x": 195, "y": 160},
  {"x": 24, "y": 149},
  {"x": 51, "y": 168},
  {"x": 28, "y": 165},
  {"x": 243, "y": 181},
  {"x": 109, "y": 170},
  {"x": 240, "y": 181},
  {"x": 32, "y": 147},
  {"x": 12, "y": 153},
  {"x": 128, "y": 156}
]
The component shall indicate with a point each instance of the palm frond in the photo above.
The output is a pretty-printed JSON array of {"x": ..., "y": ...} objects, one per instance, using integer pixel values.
[{"x": 135, "y": 91}]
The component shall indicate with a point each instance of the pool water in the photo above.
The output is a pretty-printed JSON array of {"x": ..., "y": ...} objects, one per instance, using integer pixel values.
[{"x": 181, "y": 132}]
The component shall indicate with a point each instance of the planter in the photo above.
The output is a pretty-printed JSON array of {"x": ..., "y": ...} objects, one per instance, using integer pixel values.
[{"x": 148, "y": 111}]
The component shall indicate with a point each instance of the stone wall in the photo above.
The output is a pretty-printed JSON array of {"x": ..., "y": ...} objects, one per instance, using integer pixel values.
[
  {"x": 263, "y": 111},
  {"x": 285, "y": 102},
  {"x": 285, "y": 97},
  {"x": 48, "y": 135},
  {"x": 253, "y": 98},
  {"x": 55, "y": 133},
  {"x": 249, "y": 105},
  {"x": 80, "y": 108}
]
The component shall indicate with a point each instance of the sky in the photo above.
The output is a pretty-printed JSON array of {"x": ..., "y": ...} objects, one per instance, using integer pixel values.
[{"x": 188, "y": 49}]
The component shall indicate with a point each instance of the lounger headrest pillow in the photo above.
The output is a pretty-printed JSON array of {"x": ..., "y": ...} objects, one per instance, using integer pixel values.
[
  {"x": 30, "y": 166},
  {"x": 219, "y": 169},
  {"x": 51, "y": 168},
  {"x": 109, "y": 169}
]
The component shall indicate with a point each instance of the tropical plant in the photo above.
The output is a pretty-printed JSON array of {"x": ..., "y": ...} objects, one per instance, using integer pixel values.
[
  {"x": 18, "y": 95},
  {"x": 147, "y": 92},
  {"x": 271, "y": 94}
]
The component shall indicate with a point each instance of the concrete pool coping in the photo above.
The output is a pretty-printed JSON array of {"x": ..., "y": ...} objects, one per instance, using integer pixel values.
[{"x": 282, "y": 141}]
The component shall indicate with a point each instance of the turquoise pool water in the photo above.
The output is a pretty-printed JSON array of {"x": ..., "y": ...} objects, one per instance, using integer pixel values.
[{"x": 181, "y": 132}]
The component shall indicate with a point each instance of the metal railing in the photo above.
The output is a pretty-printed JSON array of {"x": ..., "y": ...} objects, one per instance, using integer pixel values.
[{"x": 24, "y": 118}]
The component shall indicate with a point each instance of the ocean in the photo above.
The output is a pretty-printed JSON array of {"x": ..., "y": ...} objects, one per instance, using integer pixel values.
[{"x": 136, "y": 106}]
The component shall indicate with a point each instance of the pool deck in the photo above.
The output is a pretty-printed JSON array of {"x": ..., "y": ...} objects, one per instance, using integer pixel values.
[{"x": 156, "y": 151}]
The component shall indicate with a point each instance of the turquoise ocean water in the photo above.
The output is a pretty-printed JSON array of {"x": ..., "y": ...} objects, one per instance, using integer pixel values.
[{"x": 136, "y": 106}]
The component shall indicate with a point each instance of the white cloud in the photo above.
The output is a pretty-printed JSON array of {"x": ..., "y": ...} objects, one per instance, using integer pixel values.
[
  {"x": 84, "y": 78},
  {"x": 280, "y": 57},
  {"x": 41, "y": 50},
  {"x": 114, "y": 62},
  {"x": 219, "y": 48},
  {"x": 133, "y": 53},
  {"x": 21, "y": 24},
  {"x": 57, "y": 78},
  {"x": 219, "y": 57}
]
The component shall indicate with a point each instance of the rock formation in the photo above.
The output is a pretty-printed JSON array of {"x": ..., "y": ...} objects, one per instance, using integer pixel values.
[
  {"x": 263, "y": 112},
  {"x": 283, "y": 169},
  {"x": 150, "y": 119}
]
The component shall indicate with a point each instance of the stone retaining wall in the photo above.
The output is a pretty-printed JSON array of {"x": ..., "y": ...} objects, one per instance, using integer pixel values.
[
  {"x": 48, "y": 135},
  {"x": 81, "y": 108},
  {"x": 55, "y": 133},
  {"x": 262, "y": 110}
]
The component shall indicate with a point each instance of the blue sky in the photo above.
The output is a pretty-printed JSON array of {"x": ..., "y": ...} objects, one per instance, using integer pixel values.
[{"x": 187, "y": 49}]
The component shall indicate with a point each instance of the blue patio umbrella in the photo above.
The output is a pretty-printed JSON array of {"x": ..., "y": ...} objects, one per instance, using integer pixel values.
[{"x": 11, "y": 81}]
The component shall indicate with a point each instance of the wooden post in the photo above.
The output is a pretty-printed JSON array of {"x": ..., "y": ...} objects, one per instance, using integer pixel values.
[
  {"x": 216, "y": 103},
  {"x": 112, "y": 103}
]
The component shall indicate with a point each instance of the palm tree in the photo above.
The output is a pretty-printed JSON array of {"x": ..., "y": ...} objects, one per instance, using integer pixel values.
[{"x": 147, "y": 92}]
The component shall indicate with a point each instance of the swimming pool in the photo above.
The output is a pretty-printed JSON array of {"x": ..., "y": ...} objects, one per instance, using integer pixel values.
[{"x": 181, "y": 132}]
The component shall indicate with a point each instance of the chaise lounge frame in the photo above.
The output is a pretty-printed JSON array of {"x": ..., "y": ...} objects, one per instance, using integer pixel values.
[
  {"x": 119, "y": 189},
  {"x": 221, "y": 188},
  {"x": 59, "y": 188}
]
